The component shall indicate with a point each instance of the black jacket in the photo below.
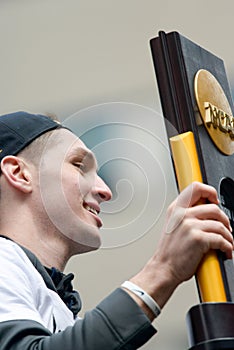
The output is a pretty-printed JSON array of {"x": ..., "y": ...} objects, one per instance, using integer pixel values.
[{"x": 116, "y": 323}]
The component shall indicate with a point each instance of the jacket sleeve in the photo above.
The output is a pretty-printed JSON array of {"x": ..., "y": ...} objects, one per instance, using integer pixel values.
[{"x": 116, "y": 323}]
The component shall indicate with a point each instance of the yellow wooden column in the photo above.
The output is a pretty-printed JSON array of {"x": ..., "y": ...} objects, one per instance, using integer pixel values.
[{"x": 187, "y": 167}]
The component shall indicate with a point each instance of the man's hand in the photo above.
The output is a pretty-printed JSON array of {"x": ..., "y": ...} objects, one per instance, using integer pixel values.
[{"x": 191, "y": 230}]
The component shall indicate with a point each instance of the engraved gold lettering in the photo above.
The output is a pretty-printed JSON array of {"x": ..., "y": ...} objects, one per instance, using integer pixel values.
[
  {"x": 208, "y": 113},
  {"x": 219, "y": 119},
  {"x": 215, "y": 111}
]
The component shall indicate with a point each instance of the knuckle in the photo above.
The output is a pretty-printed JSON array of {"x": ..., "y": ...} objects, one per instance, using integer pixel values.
[
  {"x": 196, "y": 185},
  {"x": 214, "y": 208},
  {"x": 198, "y": 238},
  {"x": 216, "y": 212},
  {"x": 220, "y": 242},
  {"x": 190, "y": 226},
  {"x": 221, "y": 227}
]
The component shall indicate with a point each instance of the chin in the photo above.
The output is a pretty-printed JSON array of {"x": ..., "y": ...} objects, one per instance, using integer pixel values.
[
  {"x": 78, "y": 248},
  {"x": 87, "y": 242}
]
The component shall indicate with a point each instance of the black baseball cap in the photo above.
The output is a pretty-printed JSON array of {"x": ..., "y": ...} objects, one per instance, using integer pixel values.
[{"x": 19, "y": 129}]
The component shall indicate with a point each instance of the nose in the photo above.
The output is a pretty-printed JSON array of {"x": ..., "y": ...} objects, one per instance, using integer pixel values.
[{"x": 102, "y": 190}]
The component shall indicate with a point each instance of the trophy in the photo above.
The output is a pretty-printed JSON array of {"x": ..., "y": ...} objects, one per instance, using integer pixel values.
[{"x": 198, "y": 113}]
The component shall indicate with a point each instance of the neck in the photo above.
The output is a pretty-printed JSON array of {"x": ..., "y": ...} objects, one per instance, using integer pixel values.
[
  {"x": 50, "y": 247},
  {"x": 31, "y": 228},
  {"x": 50, "y": 254}
]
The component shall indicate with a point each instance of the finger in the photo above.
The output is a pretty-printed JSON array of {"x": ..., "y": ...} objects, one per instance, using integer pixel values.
[
  {"x": 210, "y": 212},
  {"x": 218, "y": 242},
  {"x": 216, "y": 227},
  {"x": 196, "y": 192}
]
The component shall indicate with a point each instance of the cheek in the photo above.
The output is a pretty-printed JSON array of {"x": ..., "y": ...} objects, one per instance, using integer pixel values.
[
  {"x": 80, "y": 185},
  {"x": 76, "y": 187},
  {"x": 84, "y": 184}
]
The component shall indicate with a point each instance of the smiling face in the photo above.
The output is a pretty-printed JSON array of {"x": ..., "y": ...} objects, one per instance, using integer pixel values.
[{"x": 71, "y": 190}]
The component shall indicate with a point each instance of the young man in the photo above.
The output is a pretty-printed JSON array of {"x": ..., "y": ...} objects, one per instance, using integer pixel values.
[{"x": 50, "y": 196}]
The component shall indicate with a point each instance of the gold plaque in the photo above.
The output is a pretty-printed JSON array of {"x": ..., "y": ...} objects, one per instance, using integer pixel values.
[{"x": 215, "y": 111}]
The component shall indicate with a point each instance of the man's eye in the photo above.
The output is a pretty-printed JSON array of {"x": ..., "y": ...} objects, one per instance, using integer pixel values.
[{"x": 80, "y": 166}]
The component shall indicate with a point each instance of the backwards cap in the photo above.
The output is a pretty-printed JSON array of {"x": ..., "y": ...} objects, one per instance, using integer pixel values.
[{"x": 19, "y": 129}]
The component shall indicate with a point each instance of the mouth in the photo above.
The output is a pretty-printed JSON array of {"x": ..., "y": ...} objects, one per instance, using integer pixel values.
[
  {"x": 91, "y": 209},
  {"x": 94, "y": 210}
]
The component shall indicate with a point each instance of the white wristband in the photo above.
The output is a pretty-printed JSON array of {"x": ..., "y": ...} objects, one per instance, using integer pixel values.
[{"x": 148, "y": 300}]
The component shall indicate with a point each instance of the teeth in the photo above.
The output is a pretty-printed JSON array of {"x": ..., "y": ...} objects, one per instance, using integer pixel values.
[{"x": 92, "y": 210}]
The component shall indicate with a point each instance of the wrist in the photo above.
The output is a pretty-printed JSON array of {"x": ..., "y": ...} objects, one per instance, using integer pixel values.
[
  {"x": 147, "y": 303},
  {"x": 141, "y": 304},
  {"x": 157, "y": 281}
]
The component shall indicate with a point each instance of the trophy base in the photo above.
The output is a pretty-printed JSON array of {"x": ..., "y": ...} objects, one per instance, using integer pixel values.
[
  {"x": 211, "y": 326},
  {"x": 217, "y": 344}
]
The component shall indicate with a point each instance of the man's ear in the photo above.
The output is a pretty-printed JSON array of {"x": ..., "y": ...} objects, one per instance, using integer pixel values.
[{"x": 17, "y": 173}]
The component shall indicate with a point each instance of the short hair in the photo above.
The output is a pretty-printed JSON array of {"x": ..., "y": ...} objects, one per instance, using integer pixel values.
[
  {"x": 33, "y": 152},
  {"x": 19, "y": 129}
]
